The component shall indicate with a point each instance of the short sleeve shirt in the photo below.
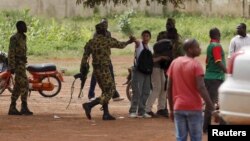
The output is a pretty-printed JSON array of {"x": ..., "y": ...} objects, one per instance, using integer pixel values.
[
  {"x": 183, "y": 72},
  {"x": 237, "y": 43}
]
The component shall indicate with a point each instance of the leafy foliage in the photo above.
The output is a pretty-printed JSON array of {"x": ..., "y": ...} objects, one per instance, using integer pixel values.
[
  {"x": 67, "y": 37},
  {"x": 45, "y": 36},
  {"x": 124, "y": 22},
  {"x": 93, "y": 3}
]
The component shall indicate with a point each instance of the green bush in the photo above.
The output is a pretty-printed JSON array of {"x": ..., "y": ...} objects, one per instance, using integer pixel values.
[
  {"x": 50, "y": 37},
  {"x": 124, "y": 22},
  {"x": 45, "y": 36}
]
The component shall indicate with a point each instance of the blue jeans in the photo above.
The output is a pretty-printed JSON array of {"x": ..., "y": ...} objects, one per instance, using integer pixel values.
[
  {"x": 93, "y": 84},
  {"x": 188, "y": 122}
]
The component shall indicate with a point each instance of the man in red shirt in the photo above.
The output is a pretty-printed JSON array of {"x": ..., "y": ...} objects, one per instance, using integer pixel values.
[{"x": 186, "y": 88}]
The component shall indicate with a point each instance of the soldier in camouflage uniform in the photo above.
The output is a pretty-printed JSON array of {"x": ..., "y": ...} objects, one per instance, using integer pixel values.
[
  {"x": 100, "y": 48},
  {"x": 17, "y": 60},
  {"x": 91, "y": 95},
  {"x": 171, "y": 33},
  {"x": 158, "y": 85},
  {"x": 163, "y": 34}
]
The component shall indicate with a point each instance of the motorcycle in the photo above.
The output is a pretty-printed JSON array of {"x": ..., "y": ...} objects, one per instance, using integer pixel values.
[
  {"x": 129, "y": 92},
  {"x": 44, "y": 78}
]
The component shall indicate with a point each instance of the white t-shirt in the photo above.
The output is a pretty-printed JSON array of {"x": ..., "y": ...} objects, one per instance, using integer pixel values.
[
  {"x": 139, "y": 49},
  {"x": 237, "y": 43}
]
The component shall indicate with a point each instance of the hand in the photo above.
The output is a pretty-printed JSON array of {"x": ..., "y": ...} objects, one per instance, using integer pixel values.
[
  {"x": 131, "y": 39},
  {"x": 216, "y": 115},
  {"x": 217, "y": 106},
  {"x": 165, "y": 58},
  {"x": 12, "y": 71}
]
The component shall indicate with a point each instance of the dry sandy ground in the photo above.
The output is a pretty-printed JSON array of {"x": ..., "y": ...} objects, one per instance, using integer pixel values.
[{"x": 53, "y": 122}]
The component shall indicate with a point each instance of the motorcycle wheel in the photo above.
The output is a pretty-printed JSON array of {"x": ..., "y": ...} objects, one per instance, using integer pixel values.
[
  {"x": 6, "y": 85},
  {"x": 11, "y": 84},
  {"x": 129, "y": 91},
  {"x": 57, "y": 86}
]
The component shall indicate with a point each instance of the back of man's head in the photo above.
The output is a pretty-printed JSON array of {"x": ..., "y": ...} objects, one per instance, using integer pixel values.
[
  {"x": 214, "y": 33},
  {"x": 21, "y": 26},
  {"x": 189, "y": 43}
]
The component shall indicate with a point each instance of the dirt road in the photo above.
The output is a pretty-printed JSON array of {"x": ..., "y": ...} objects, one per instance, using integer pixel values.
[{"x": 53, "y": 122}]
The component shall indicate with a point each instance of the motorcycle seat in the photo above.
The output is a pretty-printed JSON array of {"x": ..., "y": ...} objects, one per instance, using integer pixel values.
[{"x": 41, "y": 67}]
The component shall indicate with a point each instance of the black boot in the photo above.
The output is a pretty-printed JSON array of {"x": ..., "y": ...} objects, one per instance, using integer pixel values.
[
  {"x": 25, "y": 110},
  {"x": 88, "y": 106},
  {"x": 106, "y": 115},
  {"x": 13, "y": 110}
]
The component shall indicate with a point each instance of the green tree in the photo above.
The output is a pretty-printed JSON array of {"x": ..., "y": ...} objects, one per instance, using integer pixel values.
[{"x": 93, "y": 3}]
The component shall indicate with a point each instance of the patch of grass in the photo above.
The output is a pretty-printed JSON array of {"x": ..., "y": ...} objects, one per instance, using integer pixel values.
[
  {"x": 51, "y": 37},
  {"x": 65, "y": 38},
  {"x": 45, "y": 36}
]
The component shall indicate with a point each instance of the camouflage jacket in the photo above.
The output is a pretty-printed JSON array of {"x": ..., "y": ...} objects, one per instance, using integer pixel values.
[
  {"x": 177, "y": 44},
  {"x": 17, "y": 51},
  {"x": 100, "y": 49}
]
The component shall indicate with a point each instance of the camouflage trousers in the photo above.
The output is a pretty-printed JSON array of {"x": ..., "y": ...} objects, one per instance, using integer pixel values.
[
  {"x": 21, "y": 84},
  {"x": 105, "y": 82}
]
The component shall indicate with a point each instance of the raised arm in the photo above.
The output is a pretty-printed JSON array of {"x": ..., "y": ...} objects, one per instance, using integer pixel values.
[{"x": 117, "y": 44}]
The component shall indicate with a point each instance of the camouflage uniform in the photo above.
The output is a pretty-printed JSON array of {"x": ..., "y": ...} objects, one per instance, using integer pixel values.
[
  {"x": 177, "y": 44},
  {"x": 100, "y": 48},
  {"x": 17, "y": 61},
  {"x": 162, "y": 35}
]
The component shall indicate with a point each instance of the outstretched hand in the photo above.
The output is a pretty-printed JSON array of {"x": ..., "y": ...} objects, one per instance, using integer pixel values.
[{"x": 131, "y": 39}]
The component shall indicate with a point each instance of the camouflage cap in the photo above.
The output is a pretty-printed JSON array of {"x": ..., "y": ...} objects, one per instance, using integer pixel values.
[{"x": 100, "y": 27}]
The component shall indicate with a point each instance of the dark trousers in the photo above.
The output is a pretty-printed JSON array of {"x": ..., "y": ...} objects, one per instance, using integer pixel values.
[
  {"x": 93, "y": 84},
  {"x": 21, "y": 84},
  {"x": 212, "y": 86}
]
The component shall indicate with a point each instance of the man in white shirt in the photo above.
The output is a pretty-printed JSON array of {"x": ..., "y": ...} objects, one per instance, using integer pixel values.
[{"x": 240, "y": 40}]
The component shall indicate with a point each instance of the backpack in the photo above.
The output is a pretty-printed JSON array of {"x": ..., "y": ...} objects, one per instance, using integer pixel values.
[
  {"x": 145, "y": 61},
  {"x": 164, "y": 47}
]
